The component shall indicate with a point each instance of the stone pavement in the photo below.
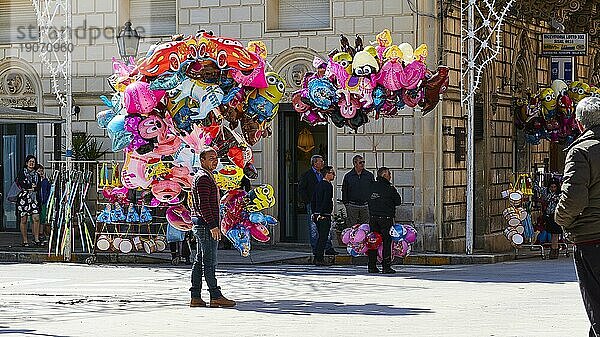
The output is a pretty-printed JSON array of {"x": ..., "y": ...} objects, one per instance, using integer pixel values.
[{"x": 523, "y": 298}]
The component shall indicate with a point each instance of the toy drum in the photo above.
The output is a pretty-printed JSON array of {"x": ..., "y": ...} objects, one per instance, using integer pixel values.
[
  {"x": 516, "y": 238},
  {"x": 125, "y": 246},
  {"x": 115, "y": 244},
  {"x": 137, "y": 243},
  {"x": 149, "y": 246},
  {"x": 520, "y": 229},
  {"x": 511, "y": 215},
  {"x": 513, "y": 236},
  {"x": 515, "y": 197},
  {"x": 161, "y": 244},
  {"x": 103, "y": 243}
]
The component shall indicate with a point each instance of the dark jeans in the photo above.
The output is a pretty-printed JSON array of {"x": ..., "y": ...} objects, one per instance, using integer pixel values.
[
  {"x": 587, "y": 264},
  {"x": 323, "y": 227},
  {"x": 313, "y": 232},
  {"x": 206, "y": 259},
  {"x": 382, "y": 226}
]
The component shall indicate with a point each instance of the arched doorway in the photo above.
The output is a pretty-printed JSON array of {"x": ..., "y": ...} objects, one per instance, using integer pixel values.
[
  {"x": 297, "y": 141},
  {"x": 20, "y": 95}
]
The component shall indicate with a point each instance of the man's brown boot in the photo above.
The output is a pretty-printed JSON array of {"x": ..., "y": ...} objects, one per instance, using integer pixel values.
[
  {"x": 221, "y": 302},
  {"x": 197, "y": 302}
]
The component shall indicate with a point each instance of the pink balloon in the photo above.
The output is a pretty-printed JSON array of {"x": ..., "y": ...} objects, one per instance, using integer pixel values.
[
  {"x": 255, "y": 79},
  {"x": 365, "y": 227},
  {"x": 411, "y": 234},
  {"x": 179, "y": 217},
  {"x": 258, "y": 231},
  {"x": 346, "y": 235},
  {"x": 139, "y": 98},
  {"x": 358, "y": 235}
]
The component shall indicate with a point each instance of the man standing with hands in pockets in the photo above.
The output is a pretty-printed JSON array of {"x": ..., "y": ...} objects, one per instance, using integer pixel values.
[
  {"x": 205, "y": 216},
  {"x": 355, "y": 192}
]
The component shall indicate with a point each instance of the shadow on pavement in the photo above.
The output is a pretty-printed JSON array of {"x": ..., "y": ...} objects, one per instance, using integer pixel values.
[
  {"x": 526, "y": 271},
  {"x": 294, "y": 307},
  {"x": 25, "y": 332},
  {"x": 550, "y": 272}
]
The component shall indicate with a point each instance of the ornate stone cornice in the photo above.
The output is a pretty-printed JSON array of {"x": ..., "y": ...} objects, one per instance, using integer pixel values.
[{"x": 578, "y": 16}]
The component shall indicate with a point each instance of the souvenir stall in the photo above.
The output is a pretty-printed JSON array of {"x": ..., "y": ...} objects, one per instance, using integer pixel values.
[
  {"x": 357, "y": 83},
  {"x": 184, "y": 96},
  {"x": 547, "y": 115}
]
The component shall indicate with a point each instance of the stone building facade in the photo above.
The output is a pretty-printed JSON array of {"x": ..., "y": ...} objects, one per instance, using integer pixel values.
[
  {"x": 500, "y": 149},
  {"x": 419, "y": 149}
]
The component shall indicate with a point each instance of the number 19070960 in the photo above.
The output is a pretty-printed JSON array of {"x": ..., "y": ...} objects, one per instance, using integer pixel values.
[{"x": 49, "y": 47}]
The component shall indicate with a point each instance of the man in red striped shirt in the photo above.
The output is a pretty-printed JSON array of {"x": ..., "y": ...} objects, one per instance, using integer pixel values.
[{"x": 205, "y": 216}]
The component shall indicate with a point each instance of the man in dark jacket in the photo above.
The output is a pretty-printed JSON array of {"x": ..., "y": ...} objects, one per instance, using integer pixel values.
[
  {"x": 306, "y": 188},
  {"x": 578, "y": 210},
  {"x": 355, "y": 192},
  {"x": 205, "y": 216},
  {"x": 322, "y": 206},
  {"x": 382, "y": 207}
]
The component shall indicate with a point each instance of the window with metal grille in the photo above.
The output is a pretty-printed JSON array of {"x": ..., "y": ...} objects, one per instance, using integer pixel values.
[
  {"x": 156, "y": 17},
  {"x": 18, "y": 22},
  {"x": 291, "y": 15},
  {"x": 478, "y": 121}
]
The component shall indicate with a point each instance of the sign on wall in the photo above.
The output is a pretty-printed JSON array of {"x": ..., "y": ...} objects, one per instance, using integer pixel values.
[{"x": 564, "y": 44}]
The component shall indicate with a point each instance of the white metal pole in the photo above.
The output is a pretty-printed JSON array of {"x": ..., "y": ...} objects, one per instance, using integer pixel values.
[
  {"x": 69, "y": 114},
  {"x": 470, "y": 125}
]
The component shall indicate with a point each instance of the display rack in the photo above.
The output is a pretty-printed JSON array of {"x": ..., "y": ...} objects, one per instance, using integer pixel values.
[{"x": 146, "y": 235}]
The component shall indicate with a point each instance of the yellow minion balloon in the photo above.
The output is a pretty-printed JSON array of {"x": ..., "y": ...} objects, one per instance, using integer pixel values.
[
  {"x": 345, "y": 60},
  {"x": 260, "y": 198},
  {"x": 578, "y": 91},
  {"x": 548, "y": 99},
  {"x": 263, "y": 102}
]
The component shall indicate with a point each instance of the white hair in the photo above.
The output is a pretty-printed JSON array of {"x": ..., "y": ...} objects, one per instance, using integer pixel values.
[{"x": 588, "y": 112}]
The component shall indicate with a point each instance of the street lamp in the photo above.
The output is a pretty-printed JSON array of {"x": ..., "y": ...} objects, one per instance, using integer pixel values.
[{"x": 128, "y": 41}]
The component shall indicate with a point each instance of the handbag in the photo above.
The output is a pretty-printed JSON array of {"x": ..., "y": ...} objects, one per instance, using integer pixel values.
[{"x": 13, "y": 192}]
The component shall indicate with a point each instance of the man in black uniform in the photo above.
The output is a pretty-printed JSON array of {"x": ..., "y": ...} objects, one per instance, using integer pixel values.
[
  {"x": 322, "y": 206},
  {"x": 382, "y": 207}
]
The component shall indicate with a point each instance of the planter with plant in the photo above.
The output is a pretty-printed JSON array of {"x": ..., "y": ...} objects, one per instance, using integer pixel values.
[{"x": 86, "y": 147}]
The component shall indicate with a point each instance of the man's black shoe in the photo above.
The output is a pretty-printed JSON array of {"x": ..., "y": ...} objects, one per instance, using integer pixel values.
[
  {"x": 331, "y": 252},
  {"x": 389, "y": 270},
  {"x": 374, "y": 270}
]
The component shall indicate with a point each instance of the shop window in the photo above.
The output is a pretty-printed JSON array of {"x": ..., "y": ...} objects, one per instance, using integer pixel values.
[
  {"x": 293, "y": 15},
  {"x": 156, "y": 17},
  {"x": 18, "y": 22}
]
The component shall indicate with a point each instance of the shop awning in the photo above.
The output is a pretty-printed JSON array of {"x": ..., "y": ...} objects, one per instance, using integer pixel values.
[{"x": 13, "y": 115}]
